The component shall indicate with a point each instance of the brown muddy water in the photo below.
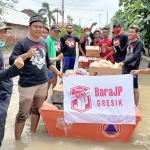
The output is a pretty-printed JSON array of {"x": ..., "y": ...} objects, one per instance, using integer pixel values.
[{"x": 140, "y": 140}]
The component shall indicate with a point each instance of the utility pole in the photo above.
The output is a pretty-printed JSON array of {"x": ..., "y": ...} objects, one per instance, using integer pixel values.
[
  {"x": 107, "y": 17},
  {"x": 62, "y": 13},
  {"x": 99, "y": 20}
]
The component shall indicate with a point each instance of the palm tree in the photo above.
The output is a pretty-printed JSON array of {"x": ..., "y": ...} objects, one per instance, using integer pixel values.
[
  {"x": 46, "y": 14},
  {"x": 57, "y": 10}
]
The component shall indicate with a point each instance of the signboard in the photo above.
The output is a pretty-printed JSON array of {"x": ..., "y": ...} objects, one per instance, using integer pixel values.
[{"x": 100, "y": 99}]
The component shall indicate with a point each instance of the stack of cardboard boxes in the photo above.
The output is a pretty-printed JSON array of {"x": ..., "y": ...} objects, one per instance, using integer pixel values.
[
  {"x": 58, "y": 95},
  {"x": 92, "y": 54}
]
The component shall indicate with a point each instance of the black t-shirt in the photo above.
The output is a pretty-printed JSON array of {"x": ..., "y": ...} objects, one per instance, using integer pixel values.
[
  {"x": 83, "y": 46},
  {"x": 134, "y": 50},
  {"x": 34, "y": 71},
  {"x": 5, "y": 85},
  {"x": 58, "y": 48},
  {"x": 71, "y": 49},
  {"x": 149, "y": 65},
  {"x": 119, "y": 55}
]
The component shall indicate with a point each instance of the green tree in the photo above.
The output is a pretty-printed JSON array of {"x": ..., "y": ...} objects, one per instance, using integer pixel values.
[
  {"x": 46, "y": 14},
  {"x": 6, "y": 3},
  {"x": 135, "y": 12},
  {"x": 58, "y": 11},
  {"x": 76, "y": 31}
]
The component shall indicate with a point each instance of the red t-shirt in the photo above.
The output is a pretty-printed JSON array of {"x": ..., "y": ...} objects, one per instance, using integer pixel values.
[{"x": 104, "y": 51}]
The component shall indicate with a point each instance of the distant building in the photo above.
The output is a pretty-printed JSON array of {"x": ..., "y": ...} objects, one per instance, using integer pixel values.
[
  {"x": 29, "y": 12},
  {"x": 18, "y": 21},
  {"x": 60, "y": 24}
]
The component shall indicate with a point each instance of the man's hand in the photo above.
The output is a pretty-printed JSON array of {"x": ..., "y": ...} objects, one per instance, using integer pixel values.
[
  {"x": 19, "y": 63},
  {"x": 60, "y": 56},
  {"x": 60, "y": 74},
  {"x": 116, "y": 43},
  {"x": 105, "y": 57},
  {"x": 121, "y": 64},
  {"x": 94, "y": 23},
  {"x": 82, "y": 31},
  {"x": 31, "y": 52},
  {"x": 83, "y": 54},
  {"x": 67, "y": 43},
  {"x": 134, "y": 72}
]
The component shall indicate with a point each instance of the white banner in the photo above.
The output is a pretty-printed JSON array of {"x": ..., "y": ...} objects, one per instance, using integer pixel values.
[{"x": 99, "y": 99}]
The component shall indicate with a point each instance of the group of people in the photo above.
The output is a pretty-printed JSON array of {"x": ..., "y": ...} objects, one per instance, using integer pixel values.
[{"x": 37, "y": 61}]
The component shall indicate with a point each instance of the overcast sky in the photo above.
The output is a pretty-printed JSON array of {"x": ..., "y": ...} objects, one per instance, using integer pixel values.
[{"x": 96, "y": 10}]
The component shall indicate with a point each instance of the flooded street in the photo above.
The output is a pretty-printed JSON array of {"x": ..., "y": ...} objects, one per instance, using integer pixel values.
[{"x": 41, "y": 140}]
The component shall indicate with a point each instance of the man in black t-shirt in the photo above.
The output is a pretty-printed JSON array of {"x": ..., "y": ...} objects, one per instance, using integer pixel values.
[
  {"x": 133, "y": 57},
  {"x": 119, "y": 41},
  {"x": 33, "y": 81},
  {"x": 69, "y": 48},
  {"x": 6, "y": 83}
]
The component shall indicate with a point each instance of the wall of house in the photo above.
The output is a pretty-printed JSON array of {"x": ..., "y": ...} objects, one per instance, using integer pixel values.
[{"x": 17, "y": 32}]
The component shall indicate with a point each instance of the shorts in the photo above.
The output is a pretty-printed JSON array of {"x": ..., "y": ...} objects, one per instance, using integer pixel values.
[
  {"x": 58, "y": 66},
  {"x": 135, "y": 82},
  {"x": 50, "y": 74}
]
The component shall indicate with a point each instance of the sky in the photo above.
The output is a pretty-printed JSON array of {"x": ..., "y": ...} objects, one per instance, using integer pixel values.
[{"x": 87, "y": 11}]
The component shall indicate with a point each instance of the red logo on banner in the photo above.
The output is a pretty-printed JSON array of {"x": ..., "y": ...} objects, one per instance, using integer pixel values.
[
  {"x": 81, "y": 99},
  {"x": 110, "y": 130}
]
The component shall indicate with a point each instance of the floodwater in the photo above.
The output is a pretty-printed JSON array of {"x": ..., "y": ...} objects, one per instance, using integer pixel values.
[{"x": 41, "y": 140}]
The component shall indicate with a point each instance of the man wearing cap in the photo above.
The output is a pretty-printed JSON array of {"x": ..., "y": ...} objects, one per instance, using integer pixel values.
[
  {"x": 6, "y": 83},
  {"x": 33, "y": 78},
  {"x": 119, "y": 42},
  {"x": 50, "y": 41}
]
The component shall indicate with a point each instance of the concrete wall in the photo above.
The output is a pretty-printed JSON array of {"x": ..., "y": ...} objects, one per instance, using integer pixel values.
[{"x": 17, "y": 32}]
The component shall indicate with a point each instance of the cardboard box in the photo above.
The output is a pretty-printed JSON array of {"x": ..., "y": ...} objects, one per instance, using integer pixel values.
[
  {"x": 92, "y": 51},
  {"x": 98, "y": 71},
  {"x": 84, "y": 62},
  {"x": 58, "y": 95}
]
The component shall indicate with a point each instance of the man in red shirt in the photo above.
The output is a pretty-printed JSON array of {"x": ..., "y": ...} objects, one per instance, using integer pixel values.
[{"x": 105, "y": 46}]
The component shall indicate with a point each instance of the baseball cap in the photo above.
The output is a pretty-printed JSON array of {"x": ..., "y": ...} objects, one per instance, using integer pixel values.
[
  {"x": 55, "y": 27},
  {"x": 35, "y": 19},
  {"x": 117, "y": 25},
  {"x": 3, "y": 26}
]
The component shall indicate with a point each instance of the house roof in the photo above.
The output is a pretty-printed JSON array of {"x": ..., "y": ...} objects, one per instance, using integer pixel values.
[
  {"x": 32, "y": 12},
  {"x": 15, "y": 17}
]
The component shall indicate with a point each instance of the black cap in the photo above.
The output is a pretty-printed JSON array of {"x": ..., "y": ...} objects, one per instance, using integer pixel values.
[
  {"x": 55, "y": 27},
  {"x": 35, "y": 19},
  {"x": 117, "y": 25}
]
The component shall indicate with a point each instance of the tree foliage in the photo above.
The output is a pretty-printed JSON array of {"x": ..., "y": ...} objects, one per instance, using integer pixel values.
[
  {"x": 46, "y": 14},
  {"x": 6, "y": 3},
  {"x": 76, "y": 31},
  {"x": 135, "y": 12}
]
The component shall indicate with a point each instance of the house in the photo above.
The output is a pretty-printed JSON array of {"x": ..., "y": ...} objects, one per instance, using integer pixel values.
[
  {"x": 18, "y": 21},
  {"x": 29, "y": 12}
]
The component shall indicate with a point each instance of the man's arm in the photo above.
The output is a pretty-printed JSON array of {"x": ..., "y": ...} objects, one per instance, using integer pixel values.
[
  {"x": 93, "y": 24},
  {"x": 82, "y": 37},
  {"x": 80, "y": 49},
  {"x": 111, "y": 53},
  {"x": 52, "y": 67},
  {"x": 12, "y": 71},
  {"x": 59, "y": 57},
  {"x": 9, "y": 73},
  {"x": 18, "y": 51}
]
